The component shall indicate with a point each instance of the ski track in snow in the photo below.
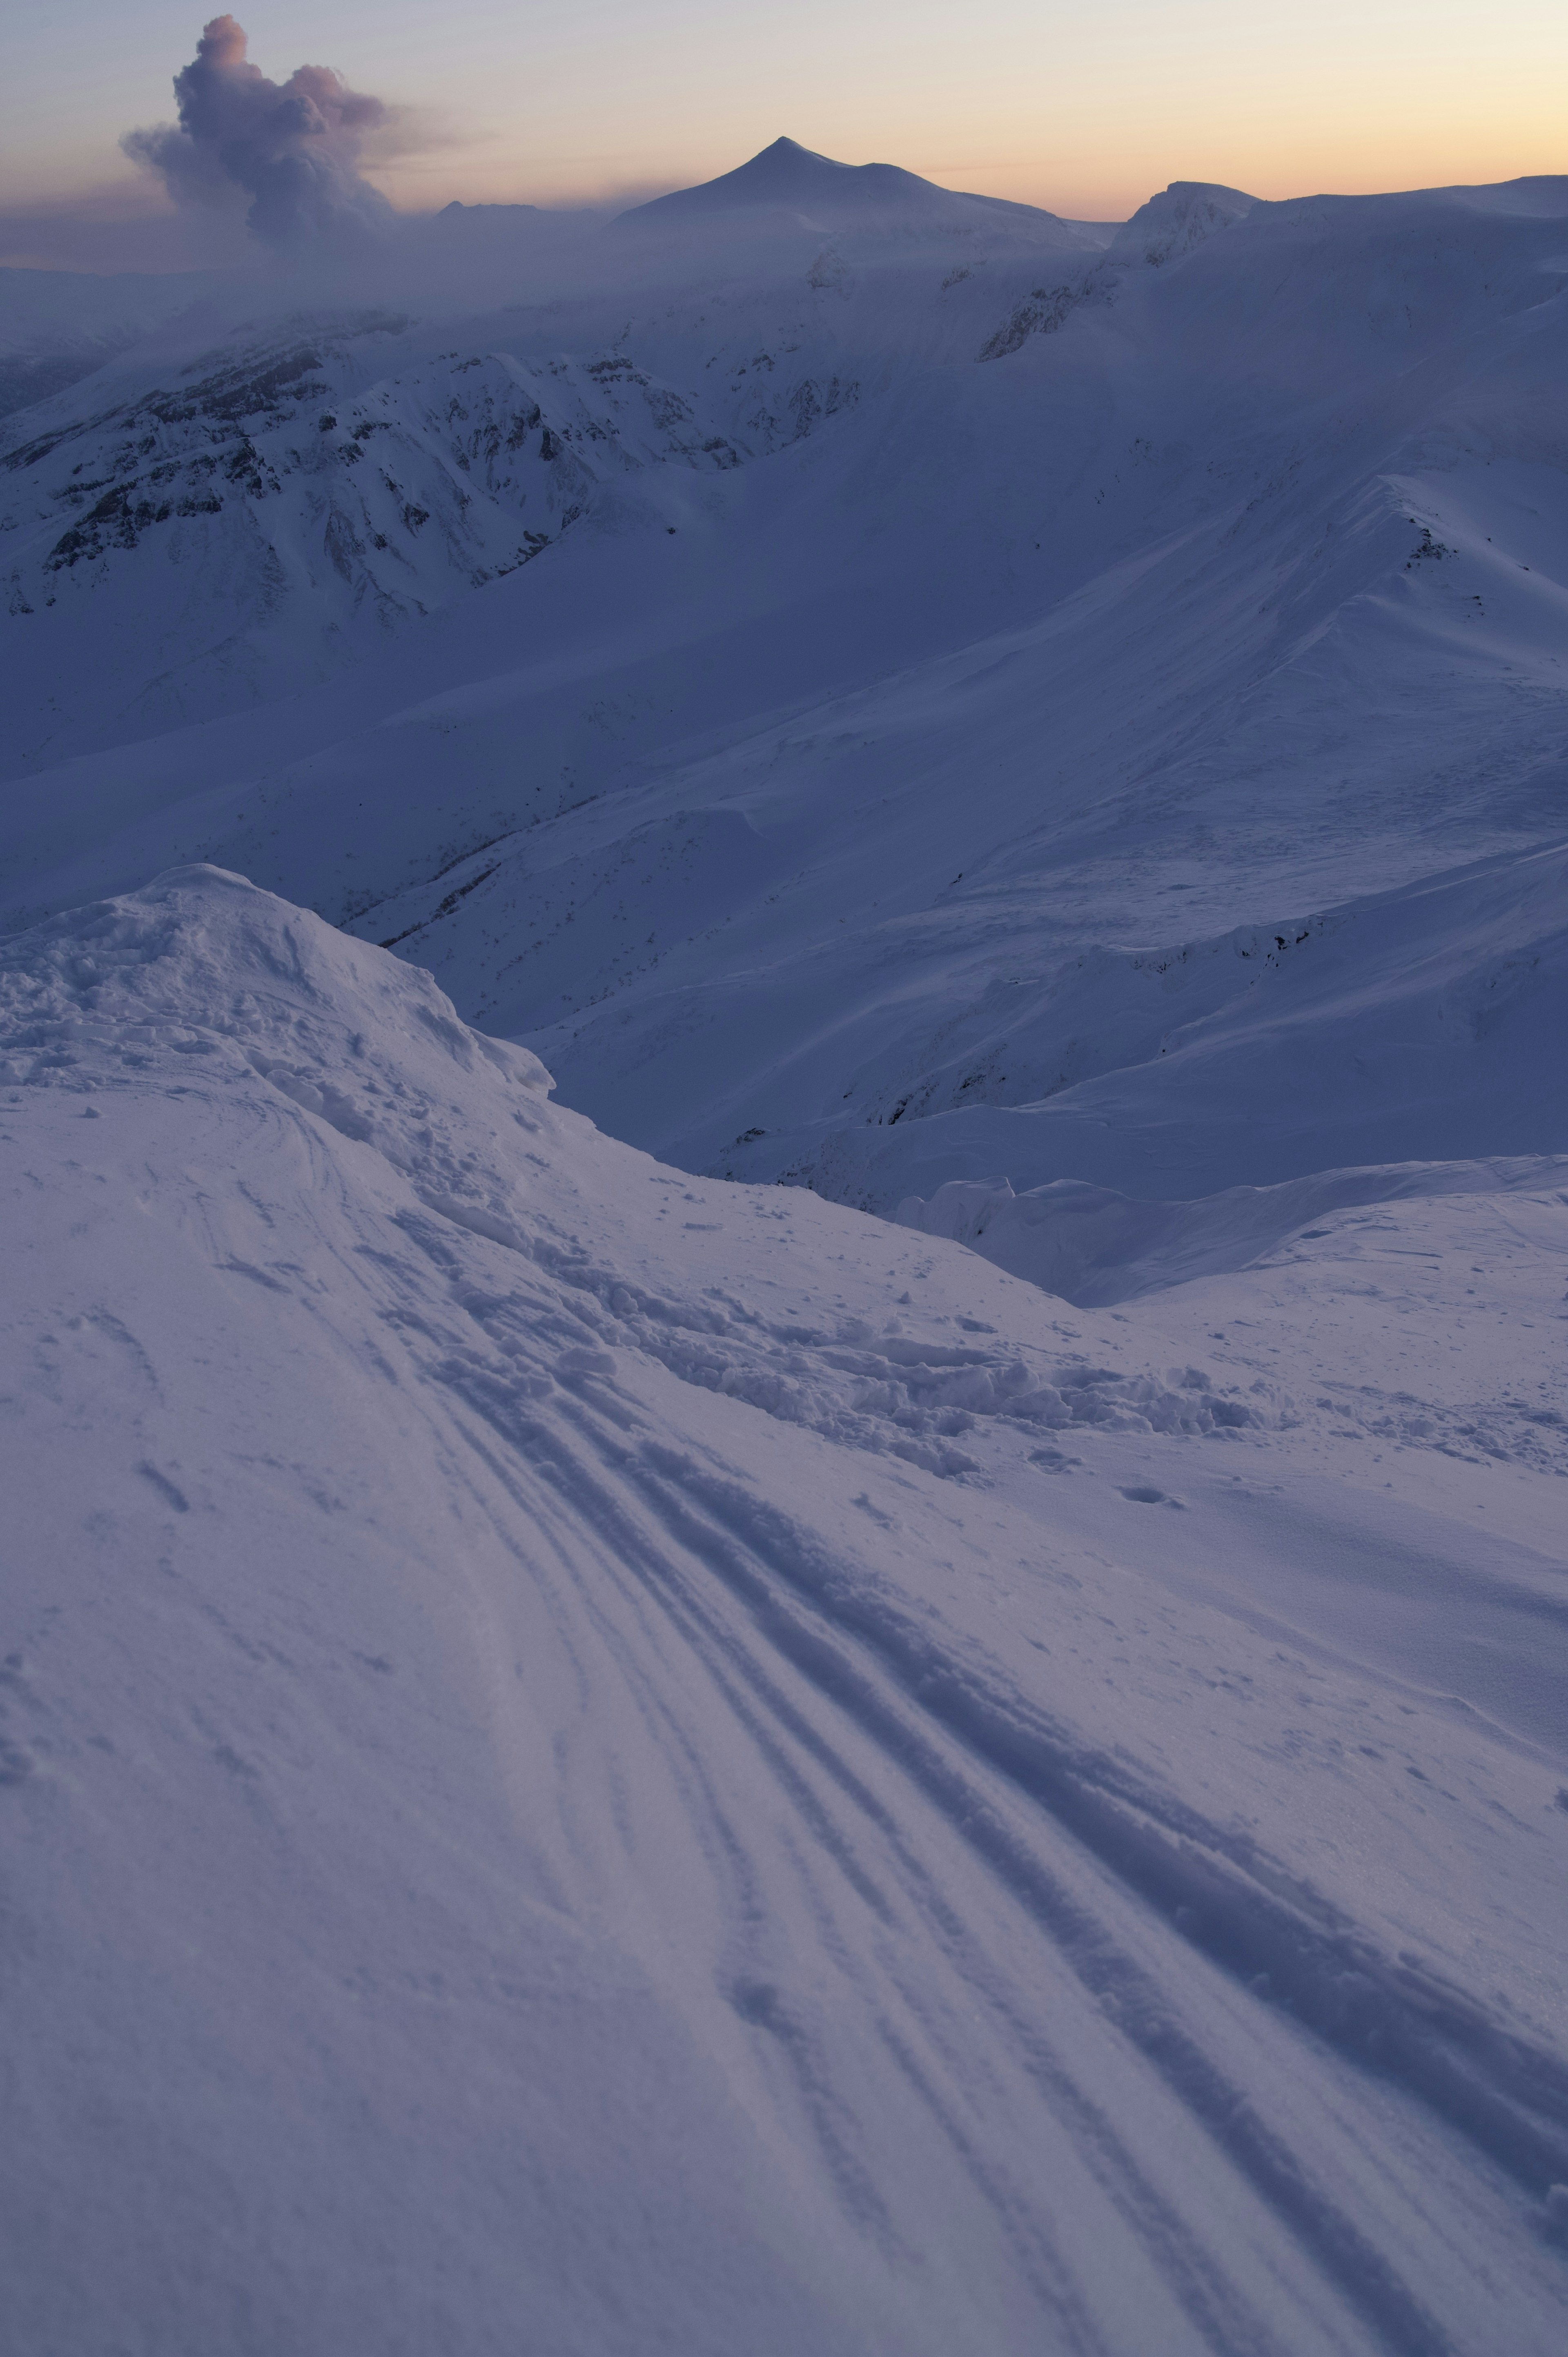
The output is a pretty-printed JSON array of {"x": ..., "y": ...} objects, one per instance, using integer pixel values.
[{"x": 1020, "y": 1898}]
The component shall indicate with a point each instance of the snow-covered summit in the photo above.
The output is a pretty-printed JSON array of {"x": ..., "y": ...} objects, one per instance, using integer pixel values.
[
  {"x": 788, "y": 179},
  {"x": 1177, "y": 219}
]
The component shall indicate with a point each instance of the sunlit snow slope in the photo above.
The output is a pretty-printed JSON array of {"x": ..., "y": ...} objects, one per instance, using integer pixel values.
[{"x": 596, "y": 1760}]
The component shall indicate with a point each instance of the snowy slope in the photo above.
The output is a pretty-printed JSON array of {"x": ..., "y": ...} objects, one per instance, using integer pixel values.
[
  {"x": 219, "y": 519},
  {"x": 606, "y": 1762},
  {"x": 982, "y": 709},
  {"x": 295, "y": 491}
]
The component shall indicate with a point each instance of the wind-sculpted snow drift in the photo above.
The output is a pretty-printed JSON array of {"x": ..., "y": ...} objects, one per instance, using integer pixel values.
[{"x": 660, "y": 1764}]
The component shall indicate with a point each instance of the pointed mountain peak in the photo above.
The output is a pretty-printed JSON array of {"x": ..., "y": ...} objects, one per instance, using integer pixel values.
[
  {"x": 789, "y": 178},
  {"x": 795, "y": 184}
]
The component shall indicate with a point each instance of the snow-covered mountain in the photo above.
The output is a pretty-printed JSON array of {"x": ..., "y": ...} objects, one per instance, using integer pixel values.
[
  {"x": 971, "y": 685},
  {"x": 303, "y": 485},
  {"x": 302, "y": 495},
  {"x": 661, "y": 1747},
  {"x": 795, "y": 184}
]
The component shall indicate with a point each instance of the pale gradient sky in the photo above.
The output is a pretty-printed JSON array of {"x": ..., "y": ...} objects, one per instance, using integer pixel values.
[{"x": 1083, "y": 109}]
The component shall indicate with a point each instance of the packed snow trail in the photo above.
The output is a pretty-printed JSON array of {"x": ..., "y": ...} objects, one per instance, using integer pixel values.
[{"x": 601, "y": 1762}]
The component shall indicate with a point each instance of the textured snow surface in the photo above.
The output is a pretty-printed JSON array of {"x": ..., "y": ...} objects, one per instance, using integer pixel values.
[{"x": 601, "y": 1761}]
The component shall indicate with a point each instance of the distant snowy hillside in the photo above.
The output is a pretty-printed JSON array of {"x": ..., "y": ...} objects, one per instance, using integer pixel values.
[
  {"x": 220, "y": 512},
  {"x": 295, "y": 491},
  {"x": 593, "y": 1759},
  {"x": 58, "y": 326}
]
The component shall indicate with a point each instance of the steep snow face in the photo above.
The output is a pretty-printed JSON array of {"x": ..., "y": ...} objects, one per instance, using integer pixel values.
[{"x": 670, "y": 1760}]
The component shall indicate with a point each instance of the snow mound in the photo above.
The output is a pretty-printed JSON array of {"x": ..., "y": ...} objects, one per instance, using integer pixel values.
[{"x": 203, "y": 967}]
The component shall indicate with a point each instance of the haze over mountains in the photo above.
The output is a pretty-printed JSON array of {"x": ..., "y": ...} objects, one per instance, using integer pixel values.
[
  {"x": 769, "y": 1783},
  {"x": 916, "y": 610}
]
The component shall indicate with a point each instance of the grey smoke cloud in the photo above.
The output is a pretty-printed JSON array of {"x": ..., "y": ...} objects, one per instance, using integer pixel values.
[{"x": 294, "y": 148}]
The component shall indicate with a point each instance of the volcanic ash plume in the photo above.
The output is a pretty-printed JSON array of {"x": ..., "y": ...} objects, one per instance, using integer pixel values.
[{"x": 294, "y": 146}]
